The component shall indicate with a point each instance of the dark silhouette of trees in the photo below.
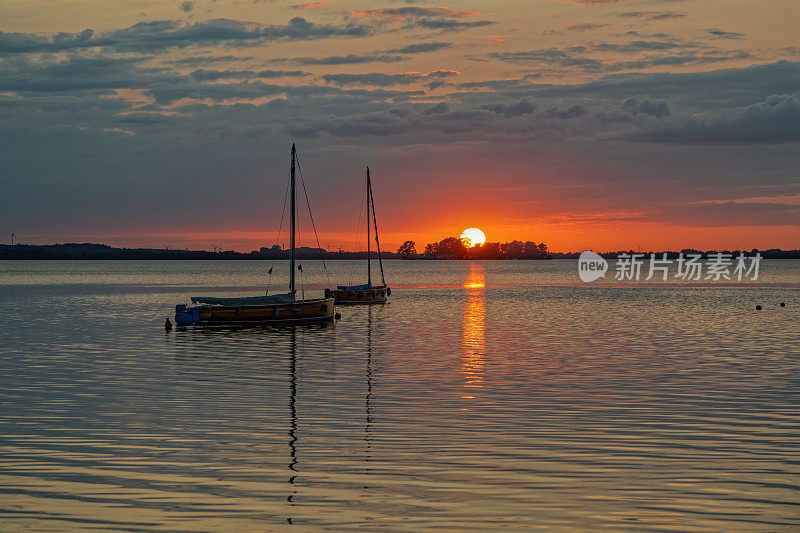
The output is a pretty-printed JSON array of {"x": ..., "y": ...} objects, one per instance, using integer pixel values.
[
  {"x": 531, "y": 250},
  {"x": 407, "y": 249},
  {"x": 488, "y": 250},
  {"x": 452, "y": 248},
  {"x": 512, "y": 249},
  {"x": 449, "y": 249}
]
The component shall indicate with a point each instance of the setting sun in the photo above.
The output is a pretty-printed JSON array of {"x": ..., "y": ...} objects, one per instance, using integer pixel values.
[{"x": 474, "y": 236}]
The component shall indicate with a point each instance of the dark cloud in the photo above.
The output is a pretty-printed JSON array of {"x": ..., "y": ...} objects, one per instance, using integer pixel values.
[
  {"x": 450, "y": 25},
  {"x": 379, "y": 56},
  {"x": 142, "y": 118},
  {"x": 696, "y": 92},
  {"x": 441, "y": 107},
  {"x": 585, "y": 26},
  {"x": 213, "y": 75},
  {"x": 682, "y": 59},
  {"x": 160, "y": 35},
  {"x": 419, "y": 48},
  {"x": 105, "y": 75},
  {"x": 551, "y": 57},
  {"x": 197, "y": 61},
  {"x": 572, "y": 111},
  {"x": 719, "y": 34},
  {"x": 673, "y": 52},
  {"x": 386, "y": 80},
  {"x": 412, "y": 12},
  {"x": 523, "y": 107},
  {"x": 774, "y": 120},
  {"x": 653, "y": 15},
  {"x": 436, "y": 18},
  {"x": 438, "y": 84},
  {"x": 634, "y": 47},
  {"x": 499, "y": 85},
  {"x": 220, "y": 92},
  {"x": 21, "y": 74},
  {"x": 644, "y": 104},
  {"x": 378, "y": 124},
  {"x": 350, "y": 59},
  {"x": 167, "y": 93}
]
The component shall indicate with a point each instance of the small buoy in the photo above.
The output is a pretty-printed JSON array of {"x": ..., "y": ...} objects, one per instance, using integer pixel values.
[
  {"x": 783, "y": 304},
  {"x": 758, "y": 308},
  {"x": 167, "y": 325},
  {"x": 338, "y": 316}
]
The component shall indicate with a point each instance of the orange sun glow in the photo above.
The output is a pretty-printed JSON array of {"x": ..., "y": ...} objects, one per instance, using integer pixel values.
[{"x": 473, "y": 237}]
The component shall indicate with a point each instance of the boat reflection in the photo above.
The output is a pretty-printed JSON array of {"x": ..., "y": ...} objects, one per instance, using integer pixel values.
[
  {"x": 474, "y": 332},
  {"x": 293, "y": 466}
]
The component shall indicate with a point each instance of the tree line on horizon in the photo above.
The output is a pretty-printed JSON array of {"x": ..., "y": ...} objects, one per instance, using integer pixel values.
[
  {"x": 454, "y": 248},
  {"x": 449, "y": 250}
]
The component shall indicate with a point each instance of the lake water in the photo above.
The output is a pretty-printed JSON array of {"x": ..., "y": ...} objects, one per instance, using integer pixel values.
[{"x": 485, "y": 395}]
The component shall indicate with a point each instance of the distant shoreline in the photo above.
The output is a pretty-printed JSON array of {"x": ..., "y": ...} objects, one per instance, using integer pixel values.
[{"x": 89, "y": 251}]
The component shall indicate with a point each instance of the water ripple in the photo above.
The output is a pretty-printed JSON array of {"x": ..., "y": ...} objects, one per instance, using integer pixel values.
[{"x": 485, "y": 395}]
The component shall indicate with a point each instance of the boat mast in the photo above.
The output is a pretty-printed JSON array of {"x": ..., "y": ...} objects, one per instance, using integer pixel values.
[
  {"x": 291, "y": 230},
  {"x": 375, "y": 223},
  {"x": 369, "y": 270}
]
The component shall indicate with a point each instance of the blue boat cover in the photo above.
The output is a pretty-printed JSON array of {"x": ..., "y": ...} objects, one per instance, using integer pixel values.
[{"x": 286, "y": 298}]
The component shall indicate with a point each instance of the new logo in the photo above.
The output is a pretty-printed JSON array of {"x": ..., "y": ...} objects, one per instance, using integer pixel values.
[{"x": 591, "y": 266}]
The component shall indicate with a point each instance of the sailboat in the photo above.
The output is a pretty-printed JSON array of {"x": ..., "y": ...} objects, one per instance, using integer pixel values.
[
  {"x": 366, "y": 293},
  {"x": 268, "y": 309}
]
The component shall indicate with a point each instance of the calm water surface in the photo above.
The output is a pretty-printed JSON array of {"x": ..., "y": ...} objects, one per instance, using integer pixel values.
[{"x": 485, "y": 395}]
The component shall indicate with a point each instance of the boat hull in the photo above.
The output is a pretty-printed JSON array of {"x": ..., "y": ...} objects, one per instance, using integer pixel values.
[
  {"x": 374, "y": 295},
  {"x": 306, "y": 311}
]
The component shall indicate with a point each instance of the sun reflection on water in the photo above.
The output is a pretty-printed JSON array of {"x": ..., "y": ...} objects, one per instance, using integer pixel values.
[{"x": 474, "y": 333}]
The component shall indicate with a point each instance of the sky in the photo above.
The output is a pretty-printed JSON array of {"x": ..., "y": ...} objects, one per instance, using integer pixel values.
[{"x": 584, "y": 124}]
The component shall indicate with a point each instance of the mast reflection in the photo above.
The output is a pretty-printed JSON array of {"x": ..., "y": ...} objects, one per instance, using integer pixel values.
[
  {"x": 293, "y": 419},
  {"x": 368, "y": 400},
  {"x": 474, "y": 332}
]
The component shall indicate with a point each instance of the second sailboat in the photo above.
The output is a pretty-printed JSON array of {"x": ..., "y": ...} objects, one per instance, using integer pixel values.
[{"x": 366, "y": 293}]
